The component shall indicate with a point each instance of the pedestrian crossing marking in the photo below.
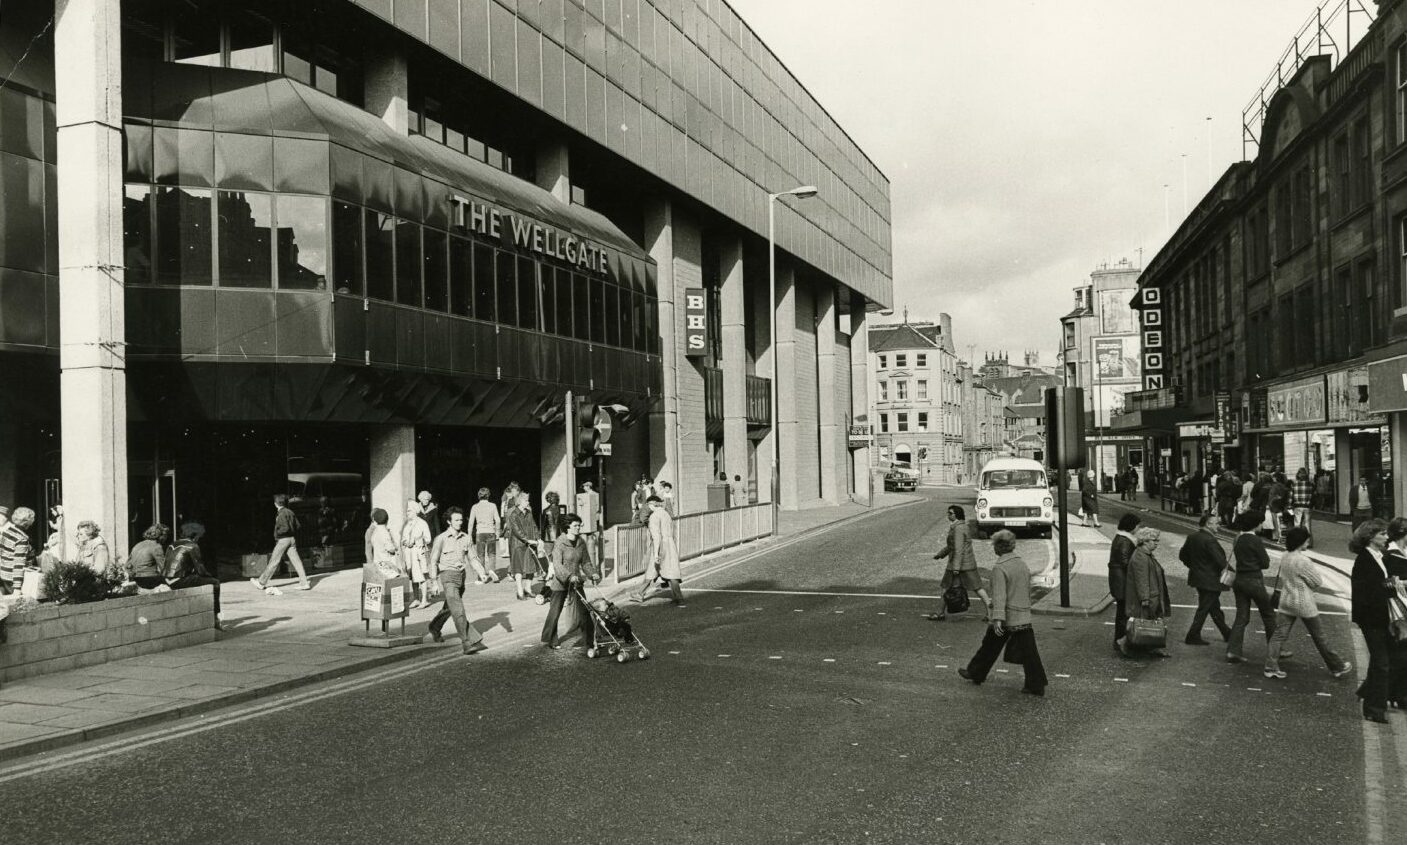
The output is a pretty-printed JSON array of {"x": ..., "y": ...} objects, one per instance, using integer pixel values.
[
  {"x": 1186, "y": 684},
  {"x": 1121, "y": 680},
  {"x": 1325, "y": 694},
  {"x": 828, "y": 660},
  {"x": 1254, "y": 689},
  {"x": 885, "y": 663},
  {"x": 775, "y": 657},
  {"x": 725, "y": 655},
  {"x": 674, "y": 652},
  {"x": 1058, "y": 675}
]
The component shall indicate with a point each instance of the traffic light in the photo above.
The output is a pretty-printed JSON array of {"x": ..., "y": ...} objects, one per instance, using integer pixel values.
[
  {"x": 1065, "y": 426},
  {"x": 593, "y": 430}
]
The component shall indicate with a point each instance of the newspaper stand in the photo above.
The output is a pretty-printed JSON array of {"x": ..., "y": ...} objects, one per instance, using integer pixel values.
[{"x": 384, "y": 599}]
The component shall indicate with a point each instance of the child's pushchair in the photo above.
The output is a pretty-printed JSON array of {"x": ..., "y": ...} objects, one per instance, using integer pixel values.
[{"x": 613, "y": 632}]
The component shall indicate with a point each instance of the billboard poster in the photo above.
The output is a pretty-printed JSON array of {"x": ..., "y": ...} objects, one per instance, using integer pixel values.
[
  {"x": 1115, "y": 315},
  {"x": 1109, "y": 357}
]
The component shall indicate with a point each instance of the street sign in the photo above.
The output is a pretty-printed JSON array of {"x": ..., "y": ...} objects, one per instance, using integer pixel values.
[
  {"x": 860, "y": 436},
  {"x": 604, "y": 450}
]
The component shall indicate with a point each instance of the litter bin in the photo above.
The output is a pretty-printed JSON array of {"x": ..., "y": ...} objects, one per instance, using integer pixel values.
[{"x": 718, "y": 495}]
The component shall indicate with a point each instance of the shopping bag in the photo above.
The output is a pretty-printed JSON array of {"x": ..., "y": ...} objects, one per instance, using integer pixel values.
[
  {"x": 1397, "y": 615},
  {"x": 29, "y": 587},
  {"x": 1148, "y": 633},
  {"x": 955, "y": 598}
]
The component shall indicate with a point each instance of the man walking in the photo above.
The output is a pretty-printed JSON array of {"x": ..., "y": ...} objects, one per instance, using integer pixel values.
[
  {"x": 285, "y": 542},
  {"x": 450, "y": 555},
  {"x": 1120, "y": 553},
  {"x": 1011, "y": 620},
  {"x": 1205, "y": 560},
  {"x": 1301, "y": 497},
  {"x": 484, "y": 528},
  {"x": 1228, "y": 490}
]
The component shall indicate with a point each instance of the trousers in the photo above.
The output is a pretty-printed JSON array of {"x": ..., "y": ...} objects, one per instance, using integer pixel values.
[
  {"x": 554, "y": 611},
  {"x": 453, "y": 582},
  {"x": 198, "y": 581},
  {"x": 991, "y": 648},
  {"x": 1284, "y": 622},
  {"x": 1249, "y": 589},
  {"x": 1376, "y": 680},
  {"x": 1121, "y": 620},
  {"x": 284, "y": 545},
  {"x": 1208, "y": 604}
]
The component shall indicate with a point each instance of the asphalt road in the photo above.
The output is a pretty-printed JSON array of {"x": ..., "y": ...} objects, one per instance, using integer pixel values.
[{"x": 800, "y": 696}]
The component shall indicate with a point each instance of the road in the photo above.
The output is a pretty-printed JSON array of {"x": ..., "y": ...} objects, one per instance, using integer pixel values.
[{"x": 800, "y": 696}]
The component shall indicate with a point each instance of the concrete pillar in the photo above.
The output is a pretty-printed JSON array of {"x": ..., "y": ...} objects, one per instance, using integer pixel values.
[
  {"x": 393, "y": 470},
  {"x": 828, "y": 412},
  {"x": 1345, "y": 473},
  {"x": 859, "y": 396},
  {"x": 553, "y": 169},
  {"x": 386, "y": 88},
  {"x": 787, "y": 416},
  {"x": 664, "y": 416},
  {"x": 556, "y": 462},
  {"x": 734, "y": 362},
  {"x": 93, "y": 383}
]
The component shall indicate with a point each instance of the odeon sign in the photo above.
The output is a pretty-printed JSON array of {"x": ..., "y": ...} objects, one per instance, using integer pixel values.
[{"x": 527, "y": 234}]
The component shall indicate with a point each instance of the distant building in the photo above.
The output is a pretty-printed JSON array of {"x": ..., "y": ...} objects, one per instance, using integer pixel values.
[
  {"x": 983, "y": 422},
  {"x": 916, "y": 398},
  {"x": 998, "y": 365},
  {"x": 1023, "y": 397}
]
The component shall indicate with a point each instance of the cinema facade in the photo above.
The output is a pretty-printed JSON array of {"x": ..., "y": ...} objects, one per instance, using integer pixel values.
[{"x": 359, "y": 249}]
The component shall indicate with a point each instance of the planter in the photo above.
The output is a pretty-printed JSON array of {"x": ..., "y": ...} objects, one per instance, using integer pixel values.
[{"x": 58, "y": 638}]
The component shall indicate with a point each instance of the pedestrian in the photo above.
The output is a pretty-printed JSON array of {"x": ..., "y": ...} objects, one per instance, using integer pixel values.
[
  {"x": 1120, "y": 553},
  {"x": 588, "y": 507},
  {"x": 1278, "y": 506},
  {"x": 549, "y": 523},
  {"x": 666, "y": 495},
  {"x": 1301, "y": 497},
  {"x": 1250, "y": 560},
  {"x": 16, "y": 550},
  {"x": 639, "y": 493},
  {"x": 507, "y": 504},
  {"x": 328, "y": 526},
  {"x": 1324, "y": 490},
  {"x": 285, "y": 542},
  {"x": 663, "y": 555},
  {"x": 1089, "y": 500},
  {"x": 415, "y": 548},
  {"x": 93, "y": 551},
  {"x": 1228, "y": 490},
  {"x": 962, "y": 563},
  {"x": 1372, "y": 587},
  {"x": 1361, "y": 504},
  {"x": 1146, "y": 588},
  {"x": 430, "y": 512},
  {"x": 385, "y": 551},
  {"x": 148, "y": 558},
  {"x": 1131, "y": 483},
  {"x": 1205, "y": 560},
  {"x": 184, "y": 567},
  {"x": 1395, "y": 562},
  {"x": 1010, "y": 624},
  {"x": 1298, "y": 579},
  {"x": 450, "y": 555},
  {"x": 485, "y": 526},
  {"x": 571, "y": 567},
  {"x": 1193, "y": 485},
  {"x": 524, "y": 546},
  {"x": 739, "y": 491}
]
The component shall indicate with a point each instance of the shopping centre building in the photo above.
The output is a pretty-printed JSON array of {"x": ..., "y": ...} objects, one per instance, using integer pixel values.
[{"x": 359, "y": 248}]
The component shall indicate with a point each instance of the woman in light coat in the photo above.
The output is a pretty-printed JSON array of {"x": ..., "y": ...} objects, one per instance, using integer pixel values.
[
  {"x": 92, "y": 548},
  {"x": 385, "y": 551},
  {"x": 524, "y": 545},
  {"x": 1299, "y": 578},
  {"x": 415, "y": 543},
  {"x": 962, "y": 563},
  {"x": 1146, "y": 587}
]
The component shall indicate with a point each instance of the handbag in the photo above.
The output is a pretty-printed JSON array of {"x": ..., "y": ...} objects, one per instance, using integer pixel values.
[
  {"x": 955, "y": 597},
  {"x": 1017, "y": 645},
  {"x": 1228, "y": 576},
  {"x": 1397, "y": 616},
  {"x": 1147, "y": 633}
]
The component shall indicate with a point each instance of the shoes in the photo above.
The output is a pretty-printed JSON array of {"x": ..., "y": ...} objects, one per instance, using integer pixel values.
[
  {"x": 437, "y": 636},
  {"x": 1233, "y": 658},
  {"x": 257, "y": 584},
  {"x": 1275, "y": 673},
  {"x": 475, "y": 648},
  {"x": 1380, "y": 718},
  {"x": 552, "y": 645},
  {"x": 1029, "y": 691},
  {"x": 1347, "y": 667},
  {"x": 1123, "y": 648},
  {"x": 967, "y": 676},
  {"x": 304, "y": 586},
  {"x": 1196, "y": 641}
]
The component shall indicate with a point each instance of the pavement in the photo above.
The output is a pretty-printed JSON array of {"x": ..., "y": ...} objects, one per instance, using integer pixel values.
[
  {"x": 801, "y": 696},
  {"x": 276, "y": 643}
]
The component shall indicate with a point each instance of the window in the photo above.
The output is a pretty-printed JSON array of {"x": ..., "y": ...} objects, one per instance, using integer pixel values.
[
  {"x": 251, "y": 43},
  {"x": 136, "y": 233},
  {"x": 883, "y": 391},
  {"x": 922, "y": 390},
  {"x": 409, "y": 290},
  {"x": 302, "y": 242},
  {"x": 922, "y": 421},
  {"x": 901, "y": 360},
  {"x": 598, "y": 311},
  {"x": 195, "y": 37},
  {"x": 347, "y": 248},
  {"x": 1258, "y": 242},
  {"x": 920, "y": 359},
  {"x": 1375, "y": 317},
  {"x": 901, "y": 390},
  {"x": 546, "y": 277},
  {"x": 506, "y": 276},
  {"x": 1401, "y": 99},
  {"x": 183, "y": 240},
  {"x": 527, "y": 293},
  {"x": 1362, "y": 163},
  {"x": 581, "y": 307},
  {"x": 436, "y": 270},
  {"x": 903, "y": 420},
  {"x": 246, "y": 249},
  {"x": 461, "y": 277},
  {"x": 380, "y": 256},
  {"x": 1343, "y": 176},
  {"x": 884, "y": 359},
  {"x": 484, "y": 284},
  {"x": 1401, "y": 297},
  {"x": 565, "y": 311},
  {"x": 1070, "y": 334},
  {"x": 884, "y": 423}
]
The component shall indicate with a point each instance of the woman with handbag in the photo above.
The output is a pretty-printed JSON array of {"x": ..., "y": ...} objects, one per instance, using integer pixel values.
[
  {"x": 1250, "y": 560},
  {"x": 1298, "y": 579},
  {"x": 1372, "y": 588},
  {"x": 962, "y": 563},
  {"x": 1010, "y": 626},
  {"x": 415, "y": 545},
  {"x": 1146, "y": 595},
  {"x": 1395, "y": 562}
]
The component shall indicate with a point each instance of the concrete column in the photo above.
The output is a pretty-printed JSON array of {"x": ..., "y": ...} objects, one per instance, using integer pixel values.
[
  {"x": 859, "y": 395},
  {"x": 1345, "y": 472},
  {"x": 557, "y": 468},
  {"x": 553, "y": 169},
  {"x": 787, "y": 416},
  {"x": 733, "y": 295},
  {"x": 664, "y": 416},
  {"x": 386, "y": 89},
  {"x": 828, "y": 411},
  {"x": 393, "y": 470},
  {"x": 93, "y": 383}
]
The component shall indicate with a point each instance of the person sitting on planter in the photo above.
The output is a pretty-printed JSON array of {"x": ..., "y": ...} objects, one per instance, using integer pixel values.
[
  {"x": 185, "y": 567},
  {"x": 148, "y": 558}
]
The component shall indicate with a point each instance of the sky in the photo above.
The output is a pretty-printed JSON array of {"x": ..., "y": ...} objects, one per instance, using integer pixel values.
[{"x": 1027, "y": 143}]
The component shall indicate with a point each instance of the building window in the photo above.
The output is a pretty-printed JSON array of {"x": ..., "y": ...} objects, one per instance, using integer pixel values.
[
  {"x": 901, "y": 390},
  {"x": 884, "y": 423},
  {"x": 923, "y": 421},
  {"x": 183, "y": 238},
  {"x": 922, "y": 390},
  {"x": 302, "y": 242},
  {"x": 1070, "y": 335},
  {"x": 409, "y": 290},
  {"x": 920, "y": 359},
  {"x": 1258, "y": 242},
  {"x": 901, "y": 359},
  {"x": 436, "y": 265},
  {"x": 347, "y": 248},
  {"x": 1401, "y": 101},
  {"x": 380, "y": 256},
  {"x": 1343, "y": 176},
  {"x": 903, "y": 420},
  {"x": 884, "y": 362},
  {"x": 136, "y": 233},
  {"x": 883, "y": 391}
]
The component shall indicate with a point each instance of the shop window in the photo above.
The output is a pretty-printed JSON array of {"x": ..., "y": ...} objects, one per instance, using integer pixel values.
[
  {"x": 251, "y": 43},
  {"x": 380, "y": 256},
  {"x": 436, "y": 270},
  {"x": 598, "y": 311},
  {"x": 613, "y": 315},
  {"x": 527, "y": 294},
  {"x": 183, "y": 236},
  {"x": 484, "y": 284},
  {"x": 136, "y": 234},
  {"x": 347, "y": 248},
  {"x": 302, "y": 242},
  {"x": 546, "y": 282},
  {"x": 408, "y": 264},
  {"x": 581, "y": 307},
  {"x": 562, "y": 295},
  {"x": 505, "y": 274},
  {"x": 246, "y": 243},
  {"x": 461, "y": 277}
]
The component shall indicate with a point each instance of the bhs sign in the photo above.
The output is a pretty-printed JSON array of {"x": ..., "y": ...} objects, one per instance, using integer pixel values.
[{"x": 695, "y": 322}]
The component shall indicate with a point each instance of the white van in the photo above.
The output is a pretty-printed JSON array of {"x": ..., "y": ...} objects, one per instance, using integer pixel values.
[{"x": 1014, "y": 493}]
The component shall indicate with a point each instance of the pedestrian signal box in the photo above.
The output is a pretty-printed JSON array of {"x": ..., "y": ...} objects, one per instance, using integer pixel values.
[
  {"x": 1065, "y": 427},
  {"x": 593, "y": 431}
]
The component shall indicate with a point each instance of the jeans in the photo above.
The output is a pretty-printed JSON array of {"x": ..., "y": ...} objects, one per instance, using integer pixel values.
[
  {"x": 1208, "y": 604},
  {"x": 1302, "y": 517},
  {"x": 453, "y": 582},
  {"x": 284, "y": 545},
  {"x": 1121, "y": 620},
  {"x": 585, "y": 625},
  {"x": 198, "y": 581},
  {"x": 1374, "y": 688},
  {"x": 1249, "y": 588},
  {"x": 1283, "y": 623},
  {"x": 991, "y": 648},
  {"x": 486, "y": 545}
]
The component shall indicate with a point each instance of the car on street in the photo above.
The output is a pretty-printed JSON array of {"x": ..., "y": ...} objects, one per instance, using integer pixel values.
[
  {"x": 901, "y": 476},
  {"x": 1014, "y": 493}
]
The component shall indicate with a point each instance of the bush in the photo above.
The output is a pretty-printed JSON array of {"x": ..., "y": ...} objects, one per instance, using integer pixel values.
[{"x": 74, "y": 583}]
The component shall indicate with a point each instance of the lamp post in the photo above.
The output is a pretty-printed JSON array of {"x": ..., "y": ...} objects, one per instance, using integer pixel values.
[{"x": 802, "y": 192}]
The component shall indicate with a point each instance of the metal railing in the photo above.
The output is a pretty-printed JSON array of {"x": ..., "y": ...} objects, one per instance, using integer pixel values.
[{"x": 696, "y": 534}]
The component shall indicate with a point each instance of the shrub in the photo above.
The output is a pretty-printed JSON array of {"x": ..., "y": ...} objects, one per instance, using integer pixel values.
[{"x": 74, "y": 583}]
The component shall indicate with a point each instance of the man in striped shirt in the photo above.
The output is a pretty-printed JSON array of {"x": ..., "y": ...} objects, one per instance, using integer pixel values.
[
  {"x": 1301, "y": 496},
  {"x": 16, "y": 551}
]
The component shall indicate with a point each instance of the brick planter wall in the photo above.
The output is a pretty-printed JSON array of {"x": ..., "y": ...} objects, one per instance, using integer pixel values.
[{"x": 57, "y": 638}]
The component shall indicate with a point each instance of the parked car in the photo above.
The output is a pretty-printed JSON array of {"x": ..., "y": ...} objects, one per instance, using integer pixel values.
[
  {"x": 901, "y": 477},
  {"x": 1014, "y": 493}
]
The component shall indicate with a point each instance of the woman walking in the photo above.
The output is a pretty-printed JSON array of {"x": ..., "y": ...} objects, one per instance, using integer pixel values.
[
  {"x": 962, "y": 563},
  {"x": 1250, "y": 561},
  {"x": 550, "y": 523},
  {"x": 1089, "y": 500},
  {"x": 1299, "y": 578},
  {"x": 1011, "y": 620},
  {"x": 1395, "y": 562},
  {"x": 507, "y": 505},
  {"x": 415, "y": 545},
  {"x": 1372, "y": 586},
  {"x": 524, "y": 545},
  {"x": 1146, "y": 587}
]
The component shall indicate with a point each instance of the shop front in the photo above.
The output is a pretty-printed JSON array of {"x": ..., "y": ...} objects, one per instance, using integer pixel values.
[{"x": 1386, "y": 395}]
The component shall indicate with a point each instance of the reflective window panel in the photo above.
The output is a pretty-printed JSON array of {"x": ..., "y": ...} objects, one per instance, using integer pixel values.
[
  {"x": 347, "y": 248},
  {"x": 380, "y": 256},
  {"x": 136, "y": 234},
  {"x": 302, "y": 242},
  {"x": 183, "y": 236},
  {"x": 408, "y": 261},
  {"x": 436, "y": 270},
  {"x": 246, "y": 249}
]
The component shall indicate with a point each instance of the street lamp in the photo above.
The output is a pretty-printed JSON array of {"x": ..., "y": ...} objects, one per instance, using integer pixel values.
[{"x": 802, "y": 192}]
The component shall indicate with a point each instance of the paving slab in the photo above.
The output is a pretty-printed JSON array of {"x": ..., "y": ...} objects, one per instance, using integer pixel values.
[{"x": 26, "y": 694}]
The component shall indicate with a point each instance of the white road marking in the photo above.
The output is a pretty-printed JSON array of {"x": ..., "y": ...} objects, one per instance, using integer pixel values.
[
  {"x": 775, "y": 657},
  {"x": 1121, "y": 680},
  {"x": 881, "y": 613},
  {"x": 840, "y": 611},
  {"x": 1186, "y": 684},
  {"x": 1254, "y": 689},
  {"x": 1325, "y": 694},
  {"x": 725, "y": 655},
  {"x": 674, "y": 652},
  {"x": 1058, "y": 675},
  {"x": 828, "y": 660},
  {"x": 1374, "y": 802},
  {"x": 885, "y": 663},
  {"x": 1004, "y": 671}
]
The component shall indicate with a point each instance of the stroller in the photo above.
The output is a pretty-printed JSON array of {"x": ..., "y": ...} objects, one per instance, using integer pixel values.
[{"x": 614, "y": 634}]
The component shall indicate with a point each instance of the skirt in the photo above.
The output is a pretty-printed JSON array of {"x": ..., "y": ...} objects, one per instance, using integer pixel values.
[
  {"x": 522, "y": 559},
  {"x": 971, "y": 580},
  {"x": 415, "y": 564}
]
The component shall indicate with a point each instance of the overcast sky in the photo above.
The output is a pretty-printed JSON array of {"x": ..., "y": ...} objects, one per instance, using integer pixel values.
[{"x": 1028, "y": 142}]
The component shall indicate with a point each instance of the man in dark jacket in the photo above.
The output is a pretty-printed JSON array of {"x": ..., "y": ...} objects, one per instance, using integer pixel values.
[
  {"x": 1205, "y": 560},
  {"x": 1228, "y": 491},
  {"x": 285, "y": 542},
  {"x": 186, "y": 568},
  {"x": 1120, "y": 552}
]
